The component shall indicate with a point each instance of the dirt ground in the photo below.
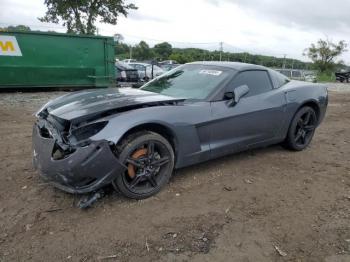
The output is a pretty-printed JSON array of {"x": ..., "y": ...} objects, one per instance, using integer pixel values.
[{"x": 264, "y": 205}]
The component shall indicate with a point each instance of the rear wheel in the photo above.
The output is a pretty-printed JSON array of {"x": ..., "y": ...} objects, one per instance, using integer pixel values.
[
  {"x": 302, "y": 129},
  {"x": 149, "y": 159}
]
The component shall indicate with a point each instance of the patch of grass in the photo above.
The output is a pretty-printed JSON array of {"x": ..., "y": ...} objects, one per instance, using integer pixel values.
[{"x": 325, "y": 77}]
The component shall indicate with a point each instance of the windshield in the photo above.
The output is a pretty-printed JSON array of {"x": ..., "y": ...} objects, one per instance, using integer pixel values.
[
  {"x": 149, "y": 67},
  {"x": 189, "y": 81}
]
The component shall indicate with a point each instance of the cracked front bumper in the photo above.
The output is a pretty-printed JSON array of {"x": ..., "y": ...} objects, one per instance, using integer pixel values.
[{"x": 85, "y": 170}]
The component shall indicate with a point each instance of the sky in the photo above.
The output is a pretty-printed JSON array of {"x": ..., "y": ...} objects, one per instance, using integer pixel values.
[{"x": 270, "y": 27}]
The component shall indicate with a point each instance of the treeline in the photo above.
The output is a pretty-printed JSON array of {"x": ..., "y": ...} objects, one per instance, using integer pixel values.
[
  {"x": 319, "y": 53},
  {"x": 165, "y": 51}
]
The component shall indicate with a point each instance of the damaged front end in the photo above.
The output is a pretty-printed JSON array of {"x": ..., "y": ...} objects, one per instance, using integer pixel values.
[{"x": 66, "y": 157}]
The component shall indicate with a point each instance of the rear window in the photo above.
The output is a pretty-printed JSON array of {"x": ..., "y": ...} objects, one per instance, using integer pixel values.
[
  {"x": 138, "y": 67},
  {"x": 296, "y": 74}
]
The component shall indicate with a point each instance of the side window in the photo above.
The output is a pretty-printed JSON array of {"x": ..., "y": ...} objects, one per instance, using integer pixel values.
[
  {"x": 257, "y": 81},
  {"x": 278, "y": 79}
]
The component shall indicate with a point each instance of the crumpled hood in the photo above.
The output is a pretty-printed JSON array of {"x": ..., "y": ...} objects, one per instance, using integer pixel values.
[{"x": 91, "y": 102}]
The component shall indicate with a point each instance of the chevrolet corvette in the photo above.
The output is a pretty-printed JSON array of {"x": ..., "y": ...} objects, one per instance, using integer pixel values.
[{"x": 135, "y": 138}]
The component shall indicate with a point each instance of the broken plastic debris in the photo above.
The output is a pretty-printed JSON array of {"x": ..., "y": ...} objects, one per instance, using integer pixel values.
[
  {"x": 248, "y": 181},
  {"x": 280, "y": 251}
]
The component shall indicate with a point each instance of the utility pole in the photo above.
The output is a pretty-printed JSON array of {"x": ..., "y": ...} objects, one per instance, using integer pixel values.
[
  {"x": 221, "y": 49},
  {"x": 130, "y": 50},
  {"x": 245, "y": 57},
  {"x": 284, "y": 61}
]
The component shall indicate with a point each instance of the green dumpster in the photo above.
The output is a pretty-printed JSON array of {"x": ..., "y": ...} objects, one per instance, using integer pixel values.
[{"x": 54, "y": 60}]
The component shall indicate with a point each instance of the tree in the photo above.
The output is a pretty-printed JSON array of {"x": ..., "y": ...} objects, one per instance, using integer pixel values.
[
  {"x": 79, "y": 16},
  {"x": 163, "y": 50},
  {"x": 324, "y": 53},
  {"x": 180, "y": 58},
  {"x": 184, "y": 55},
  {"x": 121, "y": 50},
  {"x": 118, "y": 38},
  {"x": 16, "y": 28},
  {"x": 142, "y": 51}
]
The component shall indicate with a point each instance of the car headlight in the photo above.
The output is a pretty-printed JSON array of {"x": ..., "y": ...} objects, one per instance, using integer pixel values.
[{"x": 85, "y": 132}]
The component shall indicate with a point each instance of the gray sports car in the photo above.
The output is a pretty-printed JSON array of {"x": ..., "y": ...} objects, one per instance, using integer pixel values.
[{"x": 134, "y": 138}]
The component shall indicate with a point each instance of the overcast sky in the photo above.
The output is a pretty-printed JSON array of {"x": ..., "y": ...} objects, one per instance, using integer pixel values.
[{"x": 272, "y": 27}]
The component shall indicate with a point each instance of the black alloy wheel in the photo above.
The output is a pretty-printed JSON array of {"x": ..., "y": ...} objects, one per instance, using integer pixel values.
[
  {"x": 302, "y": 129},
  {"x": 149, "y": 159}
]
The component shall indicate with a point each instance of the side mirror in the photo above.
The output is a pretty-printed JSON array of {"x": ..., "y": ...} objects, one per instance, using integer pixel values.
[
  {"x": 229, "y": 95},
  {"x": 240, "y": 92},
  {"x": 234, "y": 96}
]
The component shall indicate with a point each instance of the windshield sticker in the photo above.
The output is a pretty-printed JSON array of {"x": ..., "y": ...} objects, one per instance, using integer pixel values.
[{"x": 210, "y": 72}]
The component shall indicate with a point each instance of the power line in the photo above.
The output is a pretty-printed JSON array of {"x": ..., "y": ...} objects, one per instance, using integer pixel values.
[{"x": 284, "y": 61}]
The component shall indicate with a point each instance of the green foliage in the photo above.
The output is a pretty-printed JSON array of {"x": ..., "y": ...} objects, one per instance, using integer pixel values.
[
  {"x": 118, "y": 38},
  {"x": 79, "y": 16},
  {"x": 142, "y": 51},
  {"x": 22, "y": 28},
  {"x": 324, "y": 52},
  {"x": 122, "y": 50},
  {"x": 163, "y": 50},
  {"x": 327, "y": 76}
]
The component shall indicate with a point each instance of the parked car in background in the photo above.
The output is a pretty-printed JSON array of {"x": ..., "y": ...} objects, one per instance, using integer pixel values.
[
  {"x": 129, "y": 60},
  {"x": 168, "y": 67},
  {"x": 342, "y": 76},
  {"x": 168, "y": 62},
  {"x": 292, "y": 74},
  {"x": 126, "y": 73},
  {"x": 310, "y": 76},
  {"x": 300, "y": 75},
  {"x": 145, "y": 70}
]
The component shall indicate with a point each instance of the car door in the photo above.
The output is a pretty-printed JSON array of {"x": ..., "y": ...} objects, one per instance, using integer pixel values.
[{"x": 254, "y": 120}]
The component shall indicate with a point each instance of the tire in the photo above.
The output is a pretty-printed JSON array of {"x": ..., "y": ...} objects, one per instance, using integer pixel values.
[
  {"x": 301, "y": 129},
  {"x": 149, "y": 158}
]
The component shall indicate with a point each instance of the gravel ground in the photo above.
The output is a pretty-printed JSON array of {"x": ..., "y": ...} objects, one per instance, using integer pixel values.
[
  {"x": 339, "y": 87},
  {"x": 263, "y": 205}
]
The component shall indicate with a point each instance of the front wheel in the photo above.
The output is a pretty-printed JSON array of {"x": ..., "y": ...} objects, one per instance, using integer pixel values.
[
  {"x": 149, "y": 159},
  {"x": 302, "y": 129}
]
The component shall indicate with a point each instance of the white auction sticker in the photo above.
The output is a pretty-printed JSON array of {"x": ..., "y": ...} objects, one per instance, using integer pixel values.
[
  {"x": 210, "y": 72},
  {"x": 9, "y": 46}
]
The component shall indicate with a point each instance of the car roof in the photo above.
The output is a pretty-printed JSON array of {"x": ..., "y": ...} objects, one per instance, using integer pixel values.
[
  {"x": 234, "y": 65},
  {"x": 137, "y": 63},
  {"x": 287, "y": 69}
]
